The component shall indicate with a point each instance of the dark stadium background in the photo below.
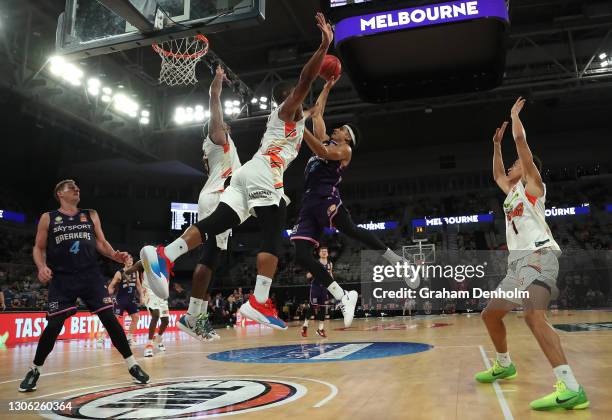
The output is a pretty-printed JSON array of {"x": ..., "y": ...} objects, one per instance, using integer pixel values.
[{"x": 416, "y": 158}]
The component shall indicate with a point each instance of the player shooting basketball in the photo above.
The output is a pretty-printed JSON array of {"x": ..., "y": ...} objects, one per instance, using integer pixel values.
[
  {"x": 256, "y": 189},
  {"x": 322, "y": 206}
]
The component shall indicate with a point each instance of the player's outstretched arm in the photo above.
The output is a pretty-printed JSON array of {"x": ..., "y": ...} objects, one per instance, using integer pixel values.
[
  {"x": 39, "y": 252},
  {"x": 102, "y": 245},
  {"x": 309, "y": 72},
  {"x": 216, "y": 131},
  {"x": 534, "y": 185},
  {"x": 318, "y": 123},
  {"x": 136, "y": 267},
  {"x": 499, "y": 171},
  {"x": 341, "y": 153}
]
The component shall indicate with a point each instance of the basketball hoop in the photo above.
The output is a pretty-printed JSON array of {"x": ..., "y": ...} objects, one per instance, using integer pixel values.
[{"x": 179, "y": 59}]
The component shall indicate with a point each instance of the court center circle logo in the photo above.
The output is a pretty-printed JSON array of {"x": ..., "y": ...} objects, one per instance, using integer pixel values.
[{"x": 192, "y": 398}]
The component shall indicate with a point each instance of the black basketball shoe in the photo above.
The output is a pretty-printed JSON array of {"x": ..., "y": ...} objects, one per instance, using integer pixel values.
[
  {"x": 140, "y": 376},
  {"x": 29, "y": 382}
]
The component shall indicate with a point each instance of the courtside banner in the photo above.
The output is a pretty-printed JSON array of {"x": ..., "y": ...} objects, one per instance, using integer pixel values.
[
  {"x": 25, "y": 327},
  {"x": 415, "y": 17}
]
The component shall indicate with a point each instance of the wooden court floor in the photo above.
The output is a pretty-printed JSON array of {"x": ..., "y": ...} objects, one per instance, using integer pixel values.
[{"x": 433, "y": 384}]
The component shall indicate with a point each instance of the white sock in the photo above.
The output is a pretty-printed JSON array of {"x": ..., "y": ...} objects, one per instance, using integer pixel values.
[
  {"x": 195, "y": 307},
  {"x": 262, "y": 288},
  {"x": 504, "y": 359},
  {"x": 38, "y": 368},
  {"x": 564, "y": 373},
  {"x": 336, "y": 291},
  {"x": 392, "y": 257},
  {"x": 204, "y": 308},
  {"x": 130, "y": 361},
  {"x": 176, "y": 249},
  {"x": 321, "y": 325},
  {"x": 305, "y": 323}
]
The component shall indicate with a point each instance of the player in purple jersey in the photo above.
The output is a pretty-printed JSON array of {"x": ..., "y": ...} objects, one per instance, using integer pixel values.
[
  {"x": 127, "y": 286},
  {"x": 318, "y": 296},
  {"x": 322, "y": 205},
  {"x": 68, "y": 242}
]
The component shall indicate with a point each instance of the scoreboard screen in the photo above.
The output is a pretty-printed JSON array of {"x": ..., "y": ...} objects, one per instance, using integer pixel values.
[
  {"x": 183, "y": 215},
  {"x": 339, "y": 3}
]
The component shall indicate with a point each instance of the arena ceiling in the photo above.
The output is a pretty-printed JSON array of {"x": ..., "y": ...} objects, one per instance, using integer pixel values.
[{"x": 553, "y": 59}]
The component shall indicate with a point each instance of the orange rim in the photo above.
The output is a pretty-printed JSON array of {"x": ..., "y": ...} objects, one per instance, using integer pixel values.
[{"x": 199, "y": 54}]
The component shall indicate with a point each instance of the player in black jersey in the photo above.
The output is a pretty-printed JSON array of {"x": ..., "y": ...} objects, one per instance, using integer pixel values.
[
  {"x": 127, "y": 286},
  {"x": 68, "y": 242}
]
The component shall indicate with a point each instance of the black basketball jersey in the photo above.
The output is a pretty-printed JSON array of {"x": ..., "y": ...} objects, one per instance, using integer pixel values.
[
  {"x": 127, "y": 287},
  {"x": 71, "y": 242}
]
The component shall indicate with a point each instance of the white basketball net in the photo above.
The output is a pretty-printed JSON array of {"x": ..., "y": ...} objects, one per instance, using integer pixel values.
[{"x": 179, "y": 59}]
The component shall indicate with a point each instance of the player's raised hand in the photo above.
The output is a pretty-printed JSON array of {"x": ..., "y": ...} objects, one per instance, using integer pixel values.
[
  {"x": 327, "y": 33},
  {"x": 517, "y": 107},
  {"x": 499, "y": 133},
  {"x": 331, "y": 82},
  {"x": 217, "y": 83},
  {"x": 45, "y": 274}
]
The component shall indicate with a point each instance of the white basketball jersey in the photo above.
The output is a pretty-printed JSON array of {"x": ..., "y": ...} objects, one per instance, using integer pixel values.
[
  {"x": 222, "y": 162},
  {"x": 280, "y": 144},
  {"x": 526, "y": 227}
]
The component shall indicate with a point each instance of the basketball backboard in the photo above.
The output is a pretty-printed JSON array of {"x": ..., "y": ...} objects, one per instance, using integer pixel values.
[{"x": 90, "y": 27}]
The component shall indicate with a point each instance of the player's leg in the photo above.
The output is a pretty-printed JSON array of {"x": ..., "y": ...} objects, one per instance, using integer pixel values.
[
  {"x": 158, "y": 262},
  {"x": 45, "y": 346},
  {"x": 306, "y": 315},
  {"x": 120, "y": 341},
  {"x": 164, "y": 316},
  {"x": 154, "y": 312},
  {"x": 195, "y": 322},
  {"x": 539, "y": 273},
  {"x": 304, "y": 255},
  {"x": 259, "y": 308},
  {"x": 345, "y": 224},
  {"x": 320, "y": 316},
  {"x": 492, "y": 316},
  {"x": 134, "y": 318}
]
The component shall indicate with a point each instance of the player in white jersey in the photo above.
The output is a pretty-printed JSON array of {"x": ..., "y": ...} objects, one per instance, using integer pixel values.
[
  {"x": 256, "y": 189},
  {"x": 221, "y": 161},
  {"x": 532, "y": 267}
]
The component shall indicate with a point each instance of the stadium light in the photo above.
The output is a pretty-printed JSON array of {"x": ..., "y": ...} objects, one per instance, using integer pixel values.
[
  {"x": 228, "y": 104},
  {"x": 605, "y": 63},
  {"x": 145, "y": 113},
  {"x": 263, "y": 99},
  {"x": 144, "y": 121},
  {"x": 56, "y": 65},
  {"x": 207, "y": 114},
  {"x": 106, "y": 98},
  {"x": 603, "y": 56},
  {"x": 263, "y": 106},
  {"x": 199, "y": 108},
  {"x": 107, "y": 90},
  {"x": 236, "y": 103},
  {"x": 254, "y": 101}
]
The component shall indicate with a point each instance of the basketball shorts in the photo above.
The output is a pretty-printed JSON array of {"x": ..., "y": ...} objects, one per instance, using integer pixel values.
[
  {"x": 207, "y": 203},
  {"x": 125, "y": 305},
  {"x": 153, "y": 303},
  {"x": 541, "y": 266},
  {"x": 253, "y": 185},
  {"x": 318, "y": 294},
  {"x": 316, "y": 214},
  {"x": 89, "y": 286}
]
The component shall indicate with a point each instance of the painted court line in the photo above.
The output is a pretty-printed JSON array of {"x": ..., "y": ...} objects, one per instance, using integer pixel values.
[{"x": 500, "y": 396}]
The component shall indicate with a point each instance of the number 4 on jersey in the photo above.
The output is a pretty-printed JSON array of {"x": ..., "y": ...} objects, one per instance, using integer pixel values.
[{"x": 75, "y": 247}]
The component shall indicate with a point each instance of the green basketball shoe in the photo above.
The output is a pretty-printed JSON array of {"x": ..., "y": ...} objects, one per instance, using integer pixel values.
[
  {"x": 562, "y": 398},
  {"x": 496, "y": 372}
]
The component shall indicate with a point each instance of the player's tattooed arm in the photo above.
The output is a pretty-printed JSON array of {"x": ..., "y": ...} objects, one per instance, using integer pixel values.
[
  {"x": 102, "y": 245},
  {"x": 216, "y": 128},
  {"x": 534, "y": 185},
  {"x": 341, "y": 153},
  {"x": 499, "y": 171},
  {"x": 39, "y": 252},
  {"x": 309, "y": 72}
]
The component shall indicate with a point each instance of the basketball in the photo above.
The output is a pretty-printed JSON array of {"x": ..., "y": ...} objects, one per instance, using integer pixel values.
[{"x": 331, "y": 67}]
